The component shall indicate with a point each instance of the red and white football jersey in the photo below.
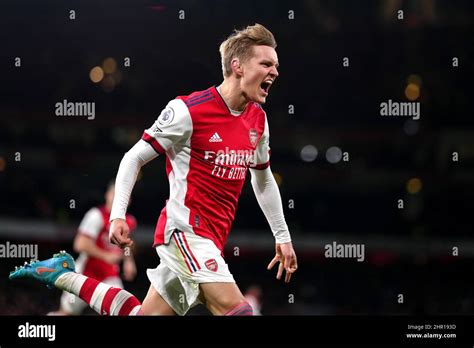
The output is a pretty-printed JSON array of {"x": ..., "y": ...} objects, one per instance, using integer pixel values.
[
  {"x": 208, "y": 153},
  {"x": 95, "y": 225}
]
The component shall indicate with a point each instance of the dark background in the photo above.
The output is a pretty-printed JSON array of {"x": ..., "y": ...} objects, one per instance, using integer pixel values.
[{"x": 408, "y": 251}]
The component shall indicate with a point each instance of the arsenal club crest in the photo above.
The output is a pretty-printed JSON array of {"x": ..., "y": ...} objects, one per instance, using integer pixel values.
[
  {"x": 211, "y": 265},
  {"x": 253, "y": 136}
]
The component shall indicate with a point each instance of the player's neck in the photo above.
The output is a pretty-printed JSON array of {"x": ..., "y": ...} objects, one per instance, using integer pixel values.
[{"x": 232, "y": 95}]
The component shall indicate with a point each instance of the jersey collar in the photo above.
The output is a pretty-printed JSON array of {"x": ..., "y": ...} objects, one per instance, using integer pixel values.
[{"x": 223, "y": 104}]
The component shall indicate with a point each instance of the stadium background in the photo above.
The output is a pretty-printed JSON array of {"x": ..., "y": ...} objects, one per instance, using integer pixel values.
[{"x": 336, "y": 108}]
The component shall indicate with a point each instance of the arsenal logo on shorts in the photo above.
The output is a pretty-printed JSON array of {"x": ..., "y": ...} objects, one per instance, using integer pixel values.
[
  {"x": 211, "y": 265},
  {"x": 253, "y": 135}
]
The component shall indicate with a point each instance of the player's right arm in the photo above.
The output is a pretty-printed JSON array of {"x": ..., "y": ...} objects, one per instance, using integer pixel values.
[
  {"x": 171, "y": 127},
  {"x": 268, "y": 196},
  {"x": 140, "y": 154}
]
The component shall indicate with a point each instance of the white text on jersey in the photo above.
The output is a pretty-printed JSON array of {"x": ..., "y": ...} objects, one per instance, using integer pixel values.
[{"x": 230, "y": 157}]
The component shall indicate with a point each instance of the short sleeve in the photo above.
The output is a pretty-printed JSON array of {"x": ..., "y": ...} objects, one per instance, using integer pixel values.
[
  {"x": 172, "y": 126},
  {"x": 92, "y": 223},
  {"x": 263, "y": 149}
]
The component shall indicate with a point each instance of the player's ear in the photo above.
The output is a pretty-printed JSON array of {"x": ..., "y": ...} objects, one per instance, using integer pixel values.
[{"x": 236, "y": 67}]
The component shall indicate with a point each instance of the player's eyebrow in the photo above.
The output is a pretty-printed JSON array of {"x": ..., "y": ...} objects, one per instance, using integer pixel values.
[{"x": 270, "y": 62}]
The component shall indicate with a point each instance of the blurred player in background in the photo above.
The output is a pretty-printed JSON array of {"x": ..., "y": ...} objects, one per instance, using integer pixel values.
[
  {"x": 98, "y": 258},
  {"x": 211, "y": 139},
  {"x": 253, "y": 296}
]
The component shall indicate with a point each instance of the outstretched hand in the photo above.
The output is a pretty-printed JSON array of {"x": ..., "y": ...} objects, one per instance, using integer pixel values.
[{"x": 284, "y": 254}]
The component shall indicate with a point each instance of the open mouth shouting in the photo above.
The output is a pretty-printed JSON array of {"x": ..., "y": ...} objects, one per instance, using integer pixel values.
[{"x": 265, "y": 85}]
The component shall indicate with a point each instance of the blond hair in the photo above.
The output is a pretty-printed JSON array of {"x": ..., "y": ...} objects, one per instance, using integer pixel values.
[{"x": 239, "y": 45}]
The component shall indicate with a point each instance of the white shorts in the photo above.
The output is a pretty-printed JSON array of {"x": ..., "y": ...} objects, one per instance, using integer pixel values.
[
  {"x": 187, "y": 261},
  {"x": 73, "y": 305}
]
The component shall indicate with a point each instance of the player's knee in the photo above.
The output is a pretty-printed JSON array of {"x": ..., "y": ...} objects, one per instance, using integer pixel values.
[
  {"x": 225, "y": 304},
  {"x": 241, "y": 309}
]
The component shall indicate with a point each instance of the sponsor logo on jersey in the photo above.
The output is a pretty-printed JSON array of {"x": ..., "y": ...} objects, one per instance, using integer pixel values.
[
  {"x": 166, "y": 116},
  {"x": 156, "y": 129},
  {"x": 253, "y": 136},
  {"x": 215, "y": 138},
  {"x": 231, "y": 157},
  {"x": 211, "y": 265}
]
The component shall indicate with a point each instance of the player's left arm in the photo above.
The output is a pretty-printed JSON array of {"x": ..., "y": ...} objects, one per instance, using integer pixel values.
[{"x": 268, "y": 196}]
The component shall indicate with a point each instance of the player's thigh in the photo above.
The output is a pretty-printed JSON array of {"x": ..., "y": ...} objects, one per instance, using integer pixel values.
[
  {"x": 155, "y": 305},
  {"x": 220, "y": 298}
]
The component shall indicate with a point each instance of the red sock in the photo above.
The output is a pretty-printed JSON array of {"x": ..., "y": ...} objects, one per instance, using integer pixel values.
[
  {"x": 242, "y": 309},
  {"x": 103, "y": 298}
]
